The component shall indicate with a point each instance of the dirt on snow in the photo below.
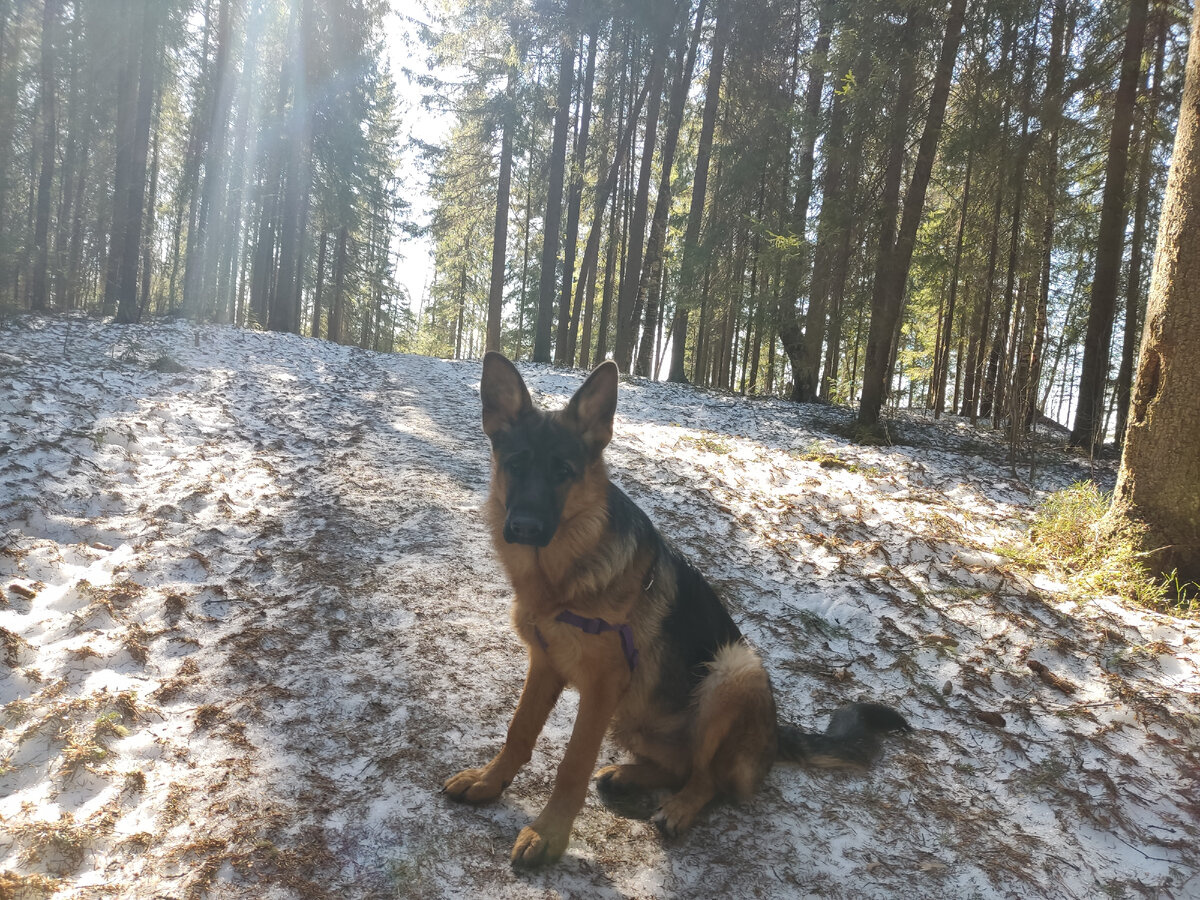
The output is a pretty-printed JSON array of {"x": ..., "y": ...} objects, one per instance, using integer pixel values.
[{"x": 251, "y": 620}]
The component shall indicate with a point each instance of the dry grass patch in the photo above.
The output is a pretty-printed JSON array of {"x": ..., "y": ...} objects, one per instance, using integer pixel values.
[
  {"x": 28, "y": 887},
  {"x": 1096, "y": 557},
  {"x": 58, "y": 847}
]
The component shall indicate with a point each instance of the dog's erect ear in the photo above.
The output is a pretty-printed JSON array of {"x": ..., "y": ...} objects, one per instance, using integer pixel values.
[
  {"x": 594, "y": 406},
  {"x": 503, "y": 392}
]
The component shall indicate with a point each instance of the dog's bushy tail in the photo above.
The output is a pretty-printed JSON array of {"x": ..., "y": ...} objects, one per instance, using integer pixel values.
[{"x": 853, "y": 737}]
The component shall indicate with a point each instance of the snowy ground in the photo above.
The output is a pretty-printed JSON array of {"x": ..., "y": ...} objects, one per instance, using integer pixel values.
[{"x": 251, "y": 620}]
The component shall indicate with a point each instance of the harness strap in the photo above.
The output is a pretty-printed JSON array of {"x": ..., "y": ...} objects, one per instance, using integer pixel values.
[{"x": 599, "y": 626}]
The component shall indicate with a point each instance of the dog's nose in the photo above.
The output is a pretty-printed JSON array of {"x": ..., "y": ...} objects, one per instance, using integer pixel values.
[{"x": 524, "y": 529}]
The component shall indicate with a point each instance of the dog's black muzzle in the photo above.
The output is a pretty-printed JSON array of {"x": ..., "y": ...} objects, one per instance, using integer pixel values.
[{"x": 523, "y": 528}]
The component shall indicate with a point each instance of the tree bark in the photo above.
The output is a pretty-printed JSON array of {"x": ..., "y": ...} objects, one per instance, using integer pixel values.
[
  {"x": 651, "y": 280},
  {"x": 793, "y": 336},
  {"x": 123, "y": 170},
  {"x": 1133, "y": 282},
  {"x": 591, "y": 252},
  {"x": 151, "y": 213},
  {"x": 210, "y": 226},
  {"x": 691, "y": 237},
  {"x": 245, "y": 142},
  {"x": 564, "y": 343},
  {"x": 500, "y": 225},
  {"x": 39, "y": 285},
  {"x": 1159, "y": 480},
  {"x": 1052, "y": 109},
  {"x": 891, "y": 265},
  {"x": 284, "y": 314},
  {"x": 849, "y": 236},
  {"x": 552, "y": 223},
  {"x": 127, "y": 288},
  {"x": 315, "y": 329},
  {"x": 337, "y": 310},
  {"x": 942, "y": 364},
  {"x": 995, "y": 380},
  {"x": 198, "y": 155},
  {"x": 631, "y": 275},
  {"x": 1093, "y": 379},
  {"x": 833, "y": 233},
  {"x": 525, "y": 243}
]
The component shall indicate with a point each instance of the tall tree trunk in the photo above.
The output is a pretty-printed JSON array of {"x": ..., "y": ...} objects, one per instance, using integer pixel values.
[
  {"x": 587, "y": 269},
  {"x": 315, "y": 328},
  {"x": 942, "y": 365},
  {"x": 804, "y": 370},
  {"x": 1159, "y": 481},
  {"x": 500, "y": 225},
  {"x": 1110, "y": 238},
  {"x": 691, "y": 237},
  {"x": 74, "y": 275},
  {"x": 73, "y": 146},
  {"x": 1133, "y": 282},
  {"x": 211, "y": 224},
  {"x": 39, "y": 286},
  {"x": 832, "y": 232},
  {"x": 977, "y": 352},
  {"x": 996, "y": 377},
  {"x": 700, "y": 357},
  {"x": 890, "y": 279},
  {"x": 613, "y": 100},
  {"x": 552, "y": 223},
  {"x": 245, "y": 147},
  {"x": 196, "y": 155},
  {"x": 127, "y": 15},
  {"x": 127, "y": 289},
  {"x": 151, "y": 213},
  {"x": 651, "y": 278},
  {"x": 631, "y": 276},
  {"x": 850, "y": 234},
  {"x": 284, "y": 314},
  {"x": 610, "y": 275},
  {"x": 462, "y": 307},
  {"x": 337, "y": 311},
  {"x": 525, "y": 242},
  {"x": 885, "y": 300},
  {"x": 262, "y": 267},
  {"x": 1052, "y": 109},
  {"x": 563, "y": 345},
  {"x": 8, "y": 103},
  {"x": 752, "y": 305}
]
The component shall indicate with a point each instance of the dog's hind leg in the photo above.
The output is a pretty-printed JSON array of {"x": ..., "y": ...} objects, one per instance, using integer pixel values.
[
  {"x": 643, "y": 775},
  {"x": 734, "y": 737},
  {"x": 628, "y": 790}
]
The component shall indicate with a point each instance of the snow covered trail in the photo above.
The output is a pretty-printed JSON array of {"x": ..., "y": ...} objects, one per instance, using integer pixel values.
[{"x": 251, "y": 620}]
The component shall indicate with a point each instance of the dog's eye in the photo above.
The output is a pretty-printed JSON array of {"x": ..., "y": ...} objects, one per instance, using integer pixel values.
[
  {"x": 518, "y": 465},
  {"x": 563, "y": 471}
]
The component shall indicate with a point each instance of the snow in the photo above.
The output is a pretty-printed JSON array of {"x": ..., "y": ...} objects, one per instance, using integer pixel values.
[{"x": 251, "y": 620}]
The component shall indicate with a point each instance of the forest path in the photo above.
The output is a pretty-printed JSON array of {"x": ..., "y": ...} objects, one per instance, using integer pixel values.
[{"x": 251, "y": 621}]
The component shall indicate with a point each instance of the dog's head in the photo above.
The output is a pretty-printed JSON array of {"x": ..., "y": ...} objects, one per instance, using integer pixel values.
[{"x": 538, "y": 456}]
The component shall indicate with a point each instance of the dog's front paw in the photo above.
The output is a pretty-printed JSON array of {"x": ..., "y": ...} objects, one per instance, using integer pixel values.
[
  {"x": 473, "y": 786},
  {"x": 537, "y": 845}
]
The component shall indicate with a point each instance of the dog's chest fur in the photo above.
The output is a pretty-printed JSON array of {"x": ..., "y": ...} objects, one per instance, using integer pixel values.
[{"x": 585, "y": 569}]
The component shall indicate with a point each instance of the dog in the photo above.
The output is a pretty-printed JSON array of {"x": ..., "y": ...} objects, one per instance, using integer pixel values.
[{"x": 604, "y": 604}]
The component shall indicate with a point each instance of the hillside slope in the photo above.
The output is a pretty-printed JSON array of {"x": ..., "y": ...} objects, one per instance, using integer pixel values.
[{"x": 251, "y": 620}]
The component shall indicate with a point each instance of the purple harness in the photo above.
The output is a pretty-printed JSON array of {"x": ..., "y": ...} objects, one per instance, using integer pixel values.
[{"x": 596, "y": 626}]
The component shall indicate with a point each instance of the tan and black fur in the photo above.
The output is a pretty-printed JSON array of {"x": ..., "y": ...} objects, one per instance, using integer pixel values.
[{"x": 695, "y": 707}]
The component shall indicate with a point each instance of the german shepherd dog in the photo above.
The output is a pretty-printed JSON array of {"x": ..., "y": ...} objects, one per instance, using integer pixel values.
[{"x": 605, "y": 604}]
